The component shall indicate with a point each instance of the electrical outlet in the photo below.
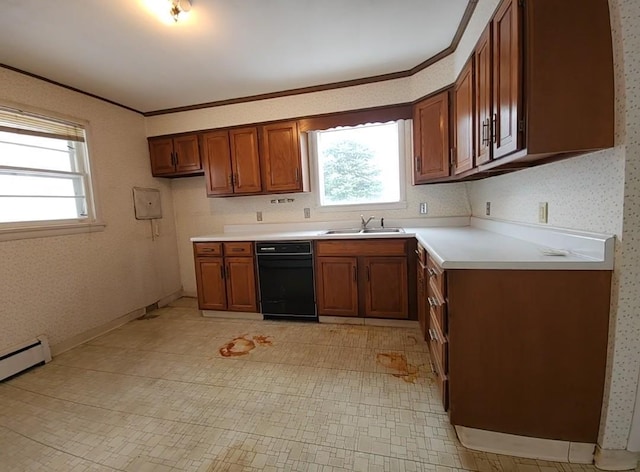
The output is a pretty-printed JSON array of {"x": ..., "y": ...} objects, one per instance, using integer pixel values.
[
  {"x": 307, "y": 212},
  {"x": 487, "y": 210},
  {"x": 258, "y": 215},
  {"x": 543, "y": 212},
  {"x": 424, "y": 208}
]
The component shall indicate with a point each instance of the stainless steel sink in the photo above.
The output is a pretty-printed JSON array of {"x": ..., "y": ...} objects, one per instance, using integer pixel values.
[
  {"x": 383, "y": 230},
  {"x": 343, "y": 231},
  {"x": 365, "y": 231}
]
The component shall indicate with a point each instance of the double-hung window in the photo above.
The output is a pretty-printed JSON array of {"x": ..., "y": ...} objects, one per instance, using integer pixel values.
[{"x": 44, "y": 172}]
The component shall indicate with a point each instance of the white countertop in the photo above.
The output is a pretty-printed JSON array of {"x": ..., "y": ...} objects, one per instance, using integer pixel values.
[{"x": 484, "y": 244}]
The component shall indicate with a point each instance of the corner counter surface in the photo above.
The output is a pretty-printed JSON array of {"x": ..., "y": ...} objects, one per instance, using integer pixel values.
[{"x": 482, "y": 244}]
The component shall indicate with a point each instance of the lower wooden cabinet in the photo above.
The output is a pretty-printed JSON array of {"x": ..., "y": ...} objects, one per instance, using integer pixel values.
[
  {"x": 385, "y": 287},
  {"x": 226, "y": 282},
  {"x": 520, "y": 351},
  {"x": 337, "y": 286},
  {"x": 367, "y": 278}
]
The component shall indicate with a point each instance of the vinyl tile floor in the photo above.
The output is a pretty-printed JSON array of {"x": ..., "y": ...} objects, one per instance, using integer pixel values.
[{"x": 179, "y": 392}]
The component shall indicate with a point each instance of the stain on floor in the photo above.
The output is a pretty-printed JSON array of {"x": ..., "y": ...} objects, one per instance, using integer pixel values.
[
  {"x": 241, "y": 346},
  {"x": 398, "y": 362}
]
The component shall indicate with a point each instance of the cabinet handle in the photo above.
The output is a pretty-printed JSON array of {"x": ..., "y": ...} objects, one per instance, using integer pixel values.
[
  {"x": 493, "y": 128},
  {"x": 173, "y": 161},
  {"x": 418, "y": 164},
  {"x": 237, "y": 179},
  {"x": 297, "y": 175},
  {"x": 237, "y": 249},
  {"x": 368, "y": 274},
  {"x": 485, "y": 132},
  {"x": 176, "y": 157},
  {"x": 355, "y": 274},
  {"x": 222, "y": 276},
  {"x": 433, "y": 302},
  {"x": 227, "y": 271},
  {"x": 230, "y": 180},
  {"x": 452, "y": 159}
]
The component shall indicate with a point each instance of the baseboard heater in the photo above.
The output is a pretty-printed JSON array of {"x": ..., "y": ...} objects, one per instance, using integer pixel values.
[{"x": 20, "y": 358}]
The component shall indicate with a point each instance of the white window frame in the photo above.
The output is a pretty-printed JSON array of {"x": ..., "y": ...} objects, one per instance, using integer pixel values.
[
  {"x": 45, "y": 228},
  {"x": 405, "y": 150}
]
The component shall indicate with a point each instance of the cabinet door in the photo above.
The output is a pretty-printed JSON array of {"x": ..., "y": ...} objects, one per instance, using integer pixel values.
[
  {"x": 211, "y": 283},
  {"x": 507, "y": 77},
  {"x": 281, "y": 157},
  {"x": 337, "y": 286},
  {"x": 217, "y": 163},
  {"x": 245, "y": 160},
  {"x": 386, "y": 287},
  {"x": 161, "y": 154},
  {"x": 484, "y": 74},
  {"x": 431, "y": 138},
  {"x": 187, "y": 154},
  {"x": 463, "y": 120},
  {"x": 241, "y": 284}
]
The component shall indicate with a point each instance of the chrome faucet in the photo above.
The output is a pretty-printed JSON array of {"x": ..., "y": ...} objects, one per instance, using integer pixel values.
[{"x": 364, "y": 223}]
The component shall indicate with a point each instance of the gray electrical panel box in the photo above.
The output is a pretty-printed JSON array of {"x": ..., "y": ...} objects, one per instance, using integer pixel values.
[{"x": 146, "y": 202}]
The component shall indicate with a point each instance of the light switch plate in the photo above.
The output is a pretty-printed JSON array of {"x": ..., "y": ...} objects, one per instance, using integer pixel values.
[
  {"x": 307, "y": 212},
  {"x": 258, "y": 215},
  {"x": 487, "y": 210}
]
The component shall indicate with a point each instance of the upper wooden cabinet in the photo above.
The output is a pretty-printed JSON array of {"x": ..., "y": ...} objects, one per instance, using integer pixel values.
[
  {"x": 541, "y": 104},
  {"x": 231, "y": 162},
  {"x": 280, "y": 152},
  {"x": 538, "y": 87},
  {"x": 483, "y": 96},
  {"x": 254, "y": 160},
  {"x": 431, "y": 138},
  {"x": 176, "y": 156},
  {"x": 463, "y": 120}
]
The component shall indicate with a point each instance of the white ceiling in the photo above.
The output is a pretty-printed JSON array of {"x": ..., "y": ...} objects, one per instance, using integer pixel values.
[{"x": 122, "y": 51}]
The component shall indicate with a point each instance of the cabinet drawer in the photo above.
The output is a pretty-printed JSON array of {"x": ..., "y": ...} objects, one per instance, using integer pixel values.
[
  {"x": 421, "y": 253},
  {"x": 438, "y": 308},
  {"x": 438, "y": 347},
  {"x": 207, "y": 249},
  {"x": 244, "y": 248},
  {"x": 437, "y": 277},
  {"x": 362, "y": 247}
]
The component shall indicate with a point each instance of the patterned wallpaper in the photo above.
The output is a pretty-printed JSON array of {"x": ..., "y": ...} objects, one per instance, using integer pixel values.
[{"x": 65, "y": 285}]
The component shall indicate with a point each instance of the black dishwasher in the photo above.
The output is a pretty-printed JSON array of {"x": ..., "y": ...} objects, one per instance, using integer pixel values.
[{"x": 285, "y": 278}]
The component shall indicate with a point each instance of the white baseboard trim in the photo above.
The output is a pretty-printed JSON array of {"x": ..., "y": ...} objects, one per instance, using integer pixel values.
[
  {"x": 170, "y": 298},
  {"x": 93, "y": 333},
  {"x": 232, "y": 315},
  {"x": 615, "y": 459},
  {"x": 522, "y": 446}
]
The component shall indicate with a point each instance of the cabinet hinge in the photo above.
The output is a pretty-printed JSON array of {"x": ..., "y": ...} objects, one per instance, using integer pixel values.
[{"x": 521, "y": 125}]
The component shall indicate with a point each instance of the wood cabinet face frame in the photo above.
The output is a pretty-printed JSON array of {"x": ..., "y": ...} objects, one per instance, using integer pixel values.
[
  {"x": 366, "y": 278},
  {"x": 225, "y": 276}
]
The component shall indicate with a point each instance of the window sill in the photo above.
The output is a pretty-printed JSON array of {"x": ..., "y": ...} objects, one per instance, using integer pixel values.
[
  {"x": 45, "y": 231},
  {"x": 363, "y": 207}
]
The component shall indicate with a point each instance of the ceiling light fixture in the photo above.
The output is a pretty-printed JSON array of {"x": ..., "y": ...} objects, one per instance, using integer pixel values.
[{"x": 179, "y": 6}]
